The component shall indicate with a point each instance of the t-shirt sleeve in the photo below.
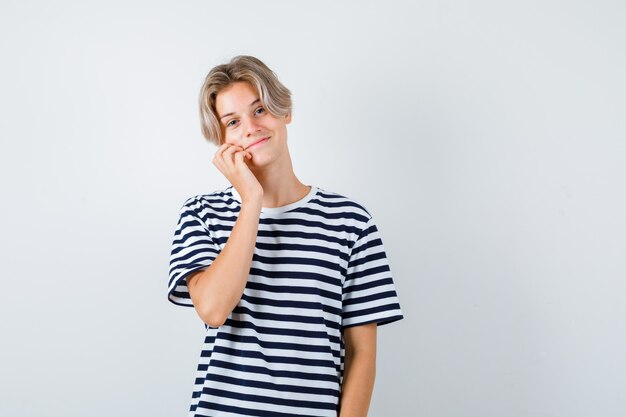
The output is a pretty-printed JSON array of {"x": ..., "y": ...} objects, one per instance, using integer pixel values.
[
  {"x": 369, "y": 293},
  {"x": 193, "y": 249}
]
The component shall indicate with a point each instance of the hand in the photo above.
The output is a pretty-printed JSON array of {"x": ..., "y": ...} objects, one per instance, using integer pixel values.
[{"x": 230, "y": 160}]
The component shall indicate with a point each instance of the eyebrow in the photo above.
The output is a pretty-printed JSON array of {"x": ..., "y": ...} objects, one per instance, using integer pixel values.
[{"x": 251, "y": 104}]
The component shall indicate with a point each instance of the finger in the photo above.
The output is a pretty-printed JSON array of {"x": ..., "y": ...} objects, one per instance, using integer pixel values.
[
  {"x": 225, "y": 151},
  {"x": 221, "y": 154},
  {"x": 238, "y": 155},
  {"x": 231, "y": 152},
  {"x": 244, "y": 155},
  {"x": 219, "y": 163},
  {"x": 225, "y": 147},
  {"x": 222, "y": 147},
  {"x": 220, "y": 151},
  {"x": 239, "y": 158}
]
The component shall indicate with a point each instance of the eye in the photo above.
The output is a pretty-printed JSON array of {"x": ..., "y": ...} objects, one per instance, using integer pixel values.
[
  {"x": 229, "y": 123},
  {"x": 261, "y": 109}
]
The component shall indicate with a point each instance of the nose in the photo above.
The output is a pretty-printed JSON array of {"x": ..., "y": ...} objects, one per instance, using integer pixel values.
[{"x": 252, "y": 126}]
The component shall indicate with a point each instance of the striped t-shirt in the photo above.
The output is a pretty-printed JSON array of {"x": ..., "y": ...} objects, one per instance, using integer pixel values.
[{"x": 319, "y": 266}]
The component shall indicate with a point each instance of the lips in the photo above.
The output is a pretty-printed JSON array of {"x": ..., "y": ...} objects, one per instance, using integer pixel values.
[{"x": 260, "y": 141}]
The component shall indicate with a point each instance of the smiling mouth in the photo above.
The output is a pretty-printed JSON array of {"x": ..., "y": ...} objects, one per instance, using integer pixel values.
[{"x": 259, "y": 142}]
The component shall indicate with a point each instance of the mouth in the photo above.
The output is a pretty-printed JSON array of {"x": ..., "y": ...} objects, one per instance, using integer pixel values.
[{"x": 259, "y": 142}]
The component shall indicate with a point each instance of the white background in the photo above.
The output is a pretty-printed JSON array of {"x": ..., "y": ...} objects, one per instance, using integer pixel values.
[{"x": 487, "y": 138}]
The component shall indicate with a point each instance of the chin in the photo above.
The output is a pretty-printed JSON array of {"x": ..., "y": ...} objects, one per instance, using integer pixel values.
[{"x": 261, "y": 159}]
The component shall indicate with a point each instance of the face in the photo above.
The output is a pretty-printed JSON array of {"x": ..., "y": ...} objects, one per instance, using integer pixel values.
[{"x": 245, "y": 121}]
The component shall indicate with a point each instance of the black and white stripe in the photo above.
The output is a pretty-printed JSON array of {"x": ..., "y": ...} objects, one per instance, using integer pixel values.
[{"x": 319, "y": 266}]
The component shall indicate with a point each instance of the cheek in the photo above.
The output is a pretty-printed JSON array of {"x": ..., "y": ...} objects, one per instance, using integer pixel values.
[{"x": 228, "y": 137}]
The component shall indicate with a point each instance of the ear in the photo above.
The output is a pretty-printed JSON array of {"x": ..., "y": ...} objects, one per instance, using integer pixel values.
[{"x": 288, "y": 118}]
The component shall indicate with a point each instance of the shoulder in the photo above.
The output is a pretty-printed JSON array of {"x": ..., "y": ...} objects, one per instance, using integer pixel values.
[
  {"x": 211, "y": 201},
  {"x": 340, "y": 207},
  {"x": 343, "y": 202}
]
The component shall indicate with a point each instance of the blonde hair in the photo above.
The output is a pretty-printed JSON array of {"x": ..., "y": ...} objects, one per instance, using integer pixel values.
[{"x": 274, "y": 96}]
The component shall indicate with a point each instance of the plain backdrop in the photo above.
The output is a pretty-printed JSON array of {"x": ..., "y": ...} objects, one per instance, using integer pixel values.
[{"x": 487, "y": 138}]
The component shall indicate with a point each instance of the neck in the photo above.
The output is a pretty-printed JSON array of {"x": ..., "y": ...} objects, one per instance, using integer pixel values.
[{"x": 280, "y": 186}]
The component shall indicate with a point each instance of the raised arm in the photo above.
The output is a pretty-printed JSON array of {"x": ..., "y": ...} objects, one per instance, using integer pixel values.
[{"x": 216, "y": 290}]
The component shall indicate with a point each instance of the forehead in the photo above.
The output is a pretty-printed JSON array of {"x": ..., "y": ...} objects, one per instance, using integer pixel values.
[{"x": 235, "y": 98}]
